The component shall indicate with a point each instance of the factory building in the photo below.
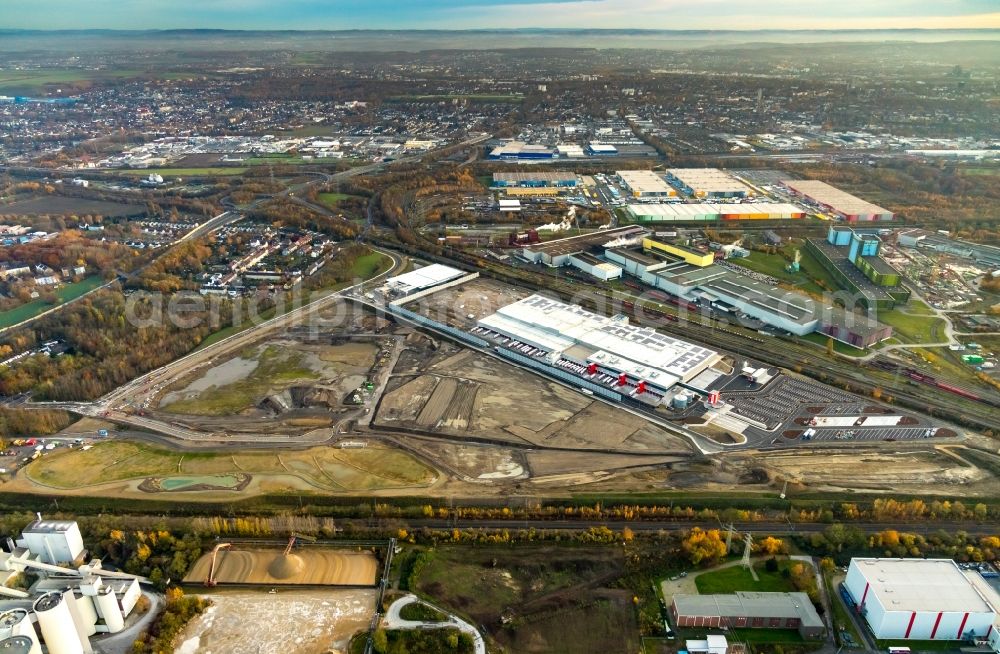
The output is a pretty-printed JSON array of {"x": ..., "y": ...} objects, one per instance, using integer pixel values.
[
  {"x": 705, "y": 212},
  {"x": 535, "y": 180},
  {"x": 65, "y": 606},
  {"x": 593, "y": 266},
  {"x": 855, "y": 262},
  {"x": 840, "y": 203},
  {"x": 646, "y": 184},
  {"x": 420, "y": 279},
  {"x": 725, "y": 290},
  {"x": 557, "y": 253},
  {"x": 54, "y": 541},
  {"x": 921, "y": 599},
  {"x": 708, "y": 183},
  {"x": 686, "y": 254},
  {"x": 636, "y": 361},
  {"x": 749, "y": 610},
  {"x": 595, "y": 149},
  {"x": 518, "y": 150}
]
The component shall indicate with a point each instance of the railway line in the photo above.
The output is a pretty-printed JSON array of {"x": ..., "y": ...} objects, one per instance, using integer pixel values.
[{"x": 979, "y": 413}]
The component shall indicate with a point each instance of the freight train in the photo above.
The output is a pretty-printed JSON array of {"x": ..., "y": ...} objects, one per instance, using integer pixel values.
[{"x": 924, "y": 378}]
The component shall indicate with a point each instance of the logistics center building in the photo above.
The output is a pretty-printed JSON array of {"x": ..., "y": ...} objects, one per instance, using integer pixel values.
[
  {"x": 639, "y": 361},
  {"x": 646, "y": 184},
  {"x": 708, "y": 211},
  {"x": 708, "y": 183},
  {"x": 843, "y": 204},
  {"x": 920, "y": 599}
]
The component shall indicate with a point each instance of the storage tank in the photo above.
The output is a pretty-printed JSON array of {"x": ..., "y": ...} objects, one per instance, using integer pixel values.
[
  {"x": 108, "y": 609},
  {"x": 18, "y": 645},
  {"x": 681, "y": 401},
  {"x": 17, "y": 622},
  {"x": 56, "y": 624}
]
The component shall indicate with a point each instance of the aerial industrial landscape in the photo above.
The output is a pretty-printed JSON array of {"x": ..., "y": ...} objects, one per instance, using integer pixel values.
[{"x": 485, "y": 340}]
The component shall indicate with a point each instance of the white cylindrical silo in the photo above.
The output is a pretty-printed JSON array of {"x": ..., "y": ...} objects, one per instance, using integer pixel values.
[
  {"x": 17, "y": 622},
  {"x": 17, "y": 645},
  {"x": 56, "y": 624},
  {"x": 85, "y": 614},
  {"x": 108, "y": 609}
]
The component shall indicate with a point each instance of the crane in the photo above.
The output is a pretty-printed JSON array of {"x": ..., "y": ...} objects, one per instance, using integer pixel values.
[{"x": 210, "y": 582}]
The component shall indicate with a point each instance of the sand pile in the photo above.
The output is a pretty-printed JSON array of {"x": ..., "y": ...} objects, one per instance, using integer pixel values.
[{"x": 286, "y": 566}]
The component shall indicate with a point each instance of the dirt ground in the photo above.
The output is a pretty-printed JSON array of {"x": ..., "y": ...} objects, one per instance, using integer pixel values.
[
  {"x": 477, "y": 298},
  {"x": 301, "y": 566},
  {"x": 918, "y": 470},
  {"x": 464, "y": 393},
  {"x": 289, "y": 622}
]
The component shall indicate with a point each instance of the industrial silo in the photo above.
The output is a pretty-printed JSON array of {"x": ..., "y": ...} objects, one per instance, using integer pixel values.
[
  {"x": 17, "y": 623},
  {"x": 56, "y": 624},
  {"x": 18, "y": 645},
  {"x": 107, "y": 607}
]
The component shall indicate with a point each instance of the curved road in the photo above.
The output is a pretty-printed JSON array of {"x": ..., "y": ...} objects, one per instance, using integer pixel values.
[{"x": 392, "y": 620}]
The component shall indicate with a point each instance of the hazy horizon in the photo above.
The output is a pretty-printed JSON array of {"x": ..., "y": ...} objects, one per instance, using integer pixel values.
[{"x": 473, "y": 14}]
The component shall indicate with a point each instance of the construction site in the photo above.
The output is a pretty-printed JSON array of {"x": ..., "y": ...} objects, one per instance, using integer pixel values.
[{"x": 295, "y": 565}]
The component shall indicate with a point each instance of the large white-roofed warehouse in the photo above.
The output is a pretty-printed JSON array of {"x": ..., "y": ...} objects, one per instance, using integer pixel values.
[
  {"x": 635, "y": 361},
  {"x": 921, "y": 599}
]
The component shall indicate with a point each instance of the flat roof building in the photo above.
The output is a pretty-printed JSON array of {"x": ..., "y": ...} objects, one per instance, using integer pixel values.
[
  {"x": 53, "y": 541},
  {"x": 708, "y": 183},
  {"x": 567, "y": 331},
  {"x": 421, "y": 278},
  {"x": 593, "y": 266},
  {"x": 919, "y": 599},
  {"x": 841, "y": 203},
  {"x": 534, "y": 179},
  {"x": 707, "y": 211},
  {"x": 646, "y": 184},
  {"x": 556, "y": 253},
  {"x": 753, "y": 610}
]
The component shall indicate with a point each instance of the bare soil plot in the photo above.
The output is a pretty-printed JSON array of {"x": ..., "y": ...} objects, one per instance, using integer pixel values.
[
  {"x": 465, "y": 393},
  {"x": 292, "y": 622},
  {"x": 925, "y": 471},
  {"x": 312, "y": 566}
]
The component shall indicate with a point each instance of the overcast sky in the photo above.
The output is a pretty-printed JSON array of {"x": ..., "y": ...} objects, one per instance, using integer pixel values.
[{"x": 464, "y": 14}]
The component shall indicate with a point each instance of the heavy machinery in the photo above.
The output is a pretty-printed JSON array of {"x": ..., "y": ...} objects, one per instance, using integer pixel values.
[
  {"x": 210, "y": 582},
  {"x": 296, "y": 536}
]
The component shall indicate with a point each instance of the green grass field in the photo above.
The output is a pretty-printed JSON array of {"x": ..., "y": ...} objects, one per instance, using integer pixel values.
[
  {"x": 841, "y": 619},
  {"x": 65, "y": 294},
  {"x": 912, "y": 328},
  {"x": 326, "y": 468},
  {"x": 838, "y": 347},
  {"x": 185, "y": 172},
  {"x": 736, "y": 578},
  {"x": 331, "y": 200},
  {"x": 810, "y": 270}
]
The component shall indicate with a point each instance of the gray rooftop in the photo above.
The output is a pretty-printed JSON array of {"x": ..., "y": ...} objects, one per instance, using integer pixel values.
[{"x": 751, "y": 605}]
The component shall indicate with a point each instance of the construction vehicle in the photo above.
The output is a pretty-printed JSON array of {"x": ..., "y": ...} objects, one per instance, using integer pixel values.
[{"x": 210, "y": 582}]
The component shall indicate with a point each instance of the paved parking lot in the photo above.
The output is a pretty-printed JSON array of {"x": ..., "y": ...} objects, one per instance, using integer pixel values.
[
  {"x": 876, "y": 434},
  {"x": 784, "y": 397}
]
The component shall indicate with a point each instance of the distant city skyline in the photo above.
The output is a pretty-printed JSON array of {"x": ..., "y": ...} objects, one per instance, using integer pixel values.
[{"x": 479, "y": 14}]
